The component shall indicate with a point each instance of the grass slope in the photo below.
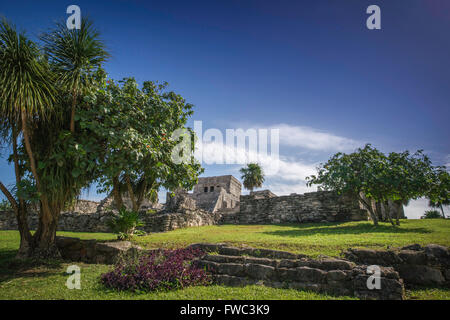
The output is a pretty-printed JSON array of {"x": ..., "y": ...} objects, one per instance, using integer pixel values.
[
  {"x": 21, "y": 281},
  {"x": 312, "y": 239}
]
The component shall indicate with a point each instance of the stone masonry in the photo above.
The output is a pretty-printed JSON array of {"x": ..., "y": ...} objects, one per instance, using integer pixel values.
[
  {"x": 417, "y": 265},
  {"x": 321, "y": 206},
  {"x": 233, "y": 266},
  {"x": 215, "y": 193},
  {"x": 245, "y": 266}
]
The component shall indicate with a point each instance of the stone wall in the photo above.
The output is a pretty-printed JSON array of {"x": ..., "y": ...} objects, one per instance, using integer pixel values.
[
  {"x": 417, "y": 265},
  {"x": 239, "y": 267},
  {"x": 321, "y": 206},
  {"x": 182, "y": 211},
  {"x": 84, "y": 206},
  {"x": 92, "y": 251},
  {"x": 244, "y": 266},
  {"x": 68, "y": 221},
  {"x": 161, "y": 222}
]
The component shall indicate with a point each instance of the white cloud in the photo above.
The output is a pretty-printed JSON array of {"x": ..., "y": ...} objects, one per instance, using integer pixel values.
[
  {"x": 416, "y": 208},
  {"x": 272, "y": 164},
  {"x": 309, "y": 138}
]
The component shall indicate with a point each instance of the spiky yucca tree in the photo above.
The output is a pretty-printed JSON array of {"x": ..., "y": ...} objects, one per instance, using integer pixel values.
[
  {"x": 252, "y": 176},
  {"x": 75, "y": 55},
  {"x": 26, "y": 97}
]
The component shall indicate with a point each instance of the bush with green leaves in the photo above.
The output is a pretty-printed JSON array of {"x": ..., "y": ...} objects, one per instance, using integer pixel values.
[
  {"x": 5, "y": 205},
  {"x": 431, "y": 214},
  {"x": 125, "y": 224}
]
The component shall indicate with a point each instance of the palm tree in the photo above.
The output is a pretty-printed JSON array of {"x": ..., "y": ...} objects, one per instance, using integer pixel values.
[
  {"x": 26, "y": 97},
  {"x": 75, "y": 54},
  {"x": 439, "y": 205},
  {"x": 252, "y": 176}
]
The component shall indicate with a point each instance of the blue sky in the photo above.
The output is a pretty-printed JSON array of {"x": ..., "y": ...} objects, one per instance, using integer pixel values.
[{"x": 310, "y": 68}]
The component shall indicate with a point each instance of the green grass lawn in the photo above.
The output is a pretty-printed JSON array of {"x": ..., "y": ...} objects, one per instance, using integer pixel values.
[
  {"x": 19, "y": 281},
  {"x": 312, "y": 239}
]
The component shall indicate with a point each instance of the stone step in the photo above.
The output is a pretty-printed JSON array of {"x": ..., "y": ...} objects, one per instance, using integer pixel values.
[
  {"x": 226, "y": 250},
  {"x": 323, "y": 264},
  {"x": 329, "y": 275}
]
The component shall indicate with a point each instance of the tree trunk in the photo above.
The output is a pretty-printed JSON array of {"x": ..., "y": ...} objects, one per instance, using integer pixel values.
[
  {"x": 22, "y": 211},
  {"x": 369, "y": 208},
  {"x": 26, "y": 239},
  {"x": 131, "y": 193},
  {"x": 44, "y": 239},
  {"x": 116, "y": 193},
  {"x": 381, "y": 208},
  {"x": 442, "y": 210},
  {"x": 390, "y": 210},
  {"x": 398, "y": 208}
]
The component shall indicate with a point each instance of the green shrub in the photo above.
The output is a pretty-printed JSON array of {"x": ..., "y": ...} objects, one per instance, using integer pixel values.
[
  {"x": 431, "y": 214},
  {"x": 125, "y": 224},
  {"x": 5, "y": 205}
]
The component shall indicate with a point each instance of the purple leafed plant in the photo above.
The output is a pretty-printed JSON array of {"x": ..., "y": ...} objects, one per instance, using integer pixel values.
[{"x": 158, "y": 270}]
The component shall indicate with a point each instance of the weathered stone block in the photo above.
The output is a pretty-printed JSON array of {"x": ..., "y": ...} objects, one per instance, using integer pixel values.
[
  {"x": 232, "y": 269},
  {"x": 412, "y": 257},
  {"x": 306, "y": 274},
  {"x": 420, "y": 275},
  {"x": 336, "y": 275},
  {"x": 257, "y": 271}
]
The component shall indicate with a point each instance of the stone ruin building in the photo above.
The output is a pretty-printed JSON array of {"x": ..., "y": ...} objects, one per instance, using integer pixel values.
[
  {"x": 214, "y": 200},
  {"x": 213, "y": 194}
]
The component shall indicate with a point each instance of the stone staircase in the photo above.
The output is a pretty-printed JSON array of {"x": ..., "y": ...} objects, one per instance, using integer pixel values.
[{"x": 233, "y": 266}]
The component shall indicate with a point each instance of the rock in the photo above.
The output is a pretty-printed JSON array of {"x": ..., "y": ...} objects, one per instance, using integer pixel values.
[
  {"x": 230, "y": 251},
  {"x": 263, "y": 261},
  {"x": 412, "y": 257},
  {"x": 414, "y": 247},
  {"x": 336, "y": 275},
  {"x": 439, "y": 252},
  {"x": 232, "y": 269},
  {"x": 343, "y": 277},
  {"x": 288, "y": 263},
  {"x": 335, "y": 264},
  {"x": 258, "y": 271},
  {"x": 109, "y": 252},
  {"x": 232, "y": 281},
  {"x": 420, "y": 275},
  {"x": 307, "y": 274},
  {"x": 224, "y": 259},
  {"x": 207, "y": 247},
  {"x": 267, "y": 253}
]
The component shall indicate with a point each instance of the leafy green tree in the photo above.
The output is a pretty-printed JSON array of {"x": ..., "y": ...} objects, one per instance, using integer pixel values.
[
  {"x": 439, "y": 193},
  {"x": 135, "y": 127},
  {"x": 252, "y": 176},
  {"x": 406, "y": 176},
  {"x": 371, "y": 175},
  {"x": 121, "y": 133}
]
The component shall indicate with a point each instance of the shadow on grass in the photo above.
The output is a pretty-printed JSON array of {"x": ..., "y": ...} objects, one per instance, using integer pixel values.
[
  {"x": 309, "y": 229},
  {"x": 11, "y": 268}
]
